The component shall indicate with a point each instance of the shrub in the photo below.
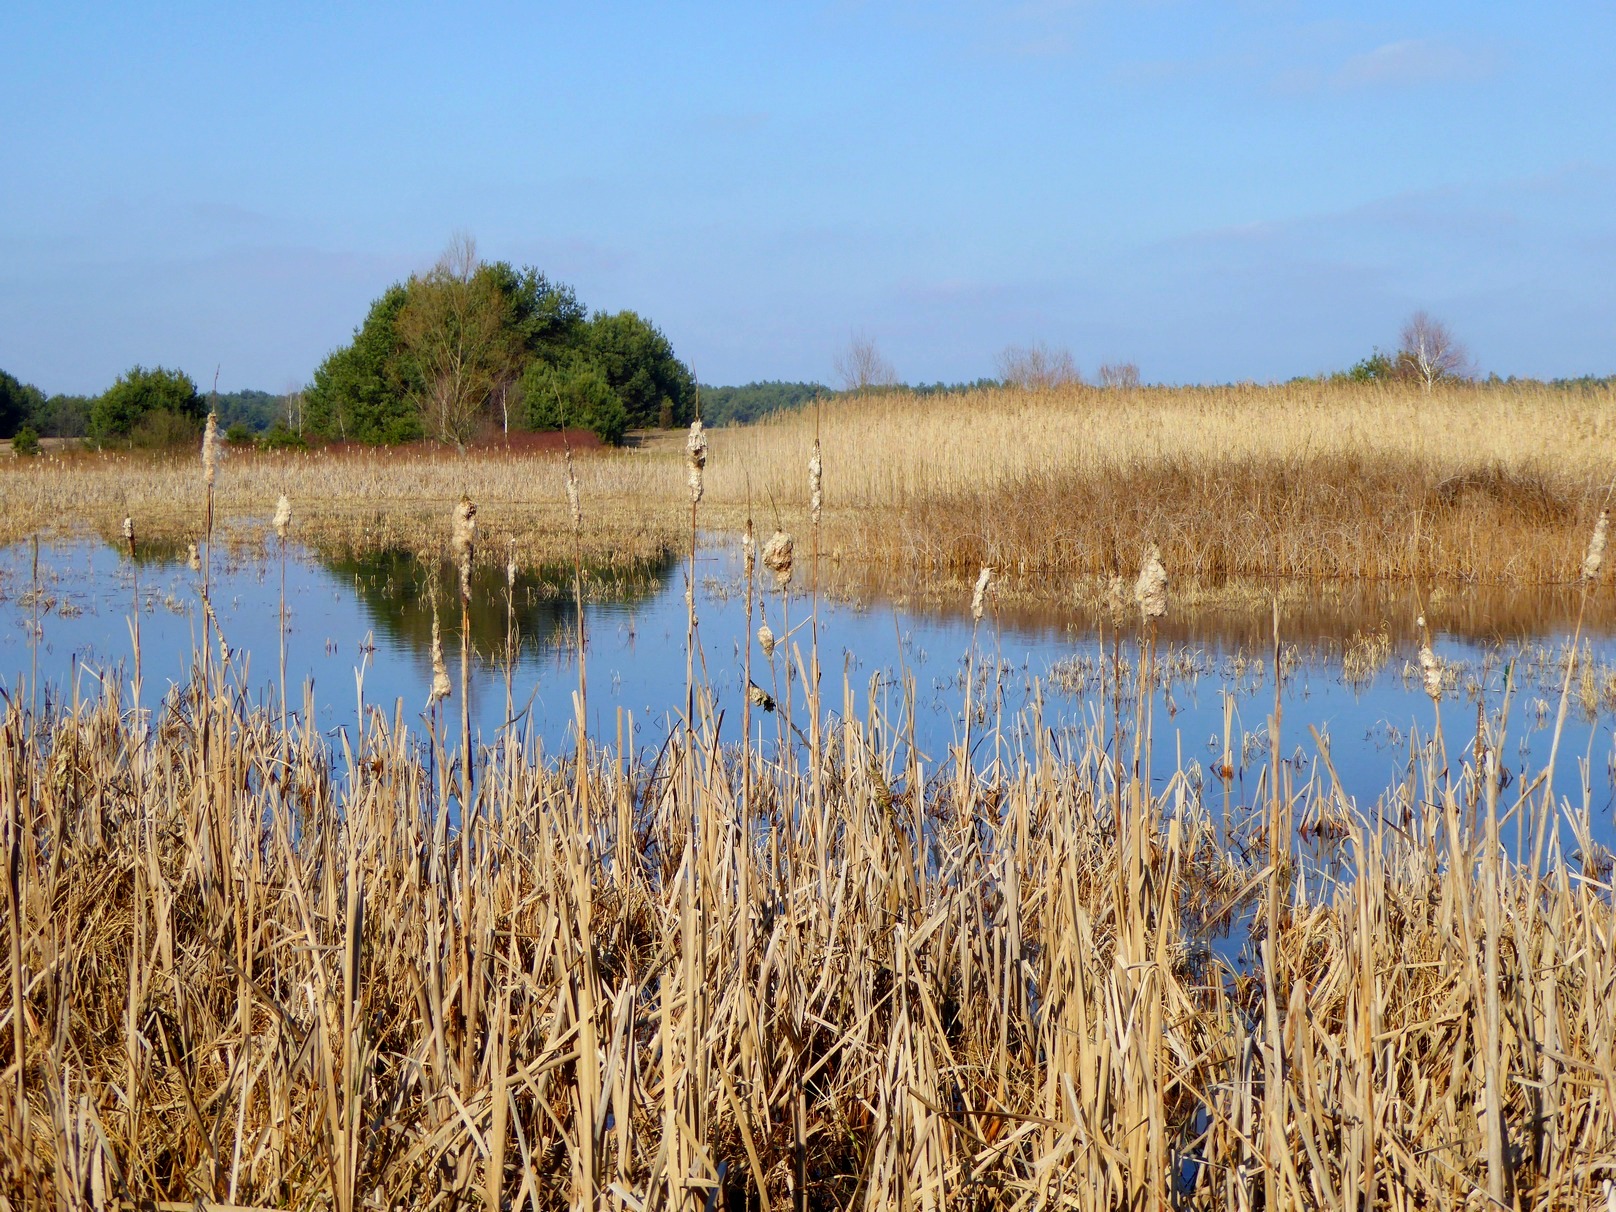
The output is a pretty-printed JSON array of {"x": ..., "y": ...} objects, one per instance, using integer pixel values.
[
  {"x": 573, "y": 393},
  {"x": 25, "y": 442}
]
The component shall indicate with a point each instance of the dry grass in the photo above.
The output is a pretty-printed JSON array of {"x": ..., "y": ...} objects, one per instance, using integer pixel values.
[
  {"x": 1495, "y": 484},
  {"x": 257, "y": 973}
]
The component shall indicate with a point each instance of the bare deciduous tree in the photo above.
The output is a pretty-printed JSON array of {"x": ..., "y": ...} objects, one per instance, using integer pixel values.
[
  {"x": 453, "y": 325},
  {"x": 1430, "y": 352},
  {"x": 861, "y": 366},
  {"x": 1037, "y": 367},
  {"x": 1119, "y": 374}
]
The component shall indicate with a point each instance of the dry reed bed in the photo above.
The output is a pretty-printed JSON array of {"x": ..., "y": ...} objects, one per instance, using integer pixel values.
[
  {"x": 1489, "y": 483},
  {"x": 252, "y": 975}
]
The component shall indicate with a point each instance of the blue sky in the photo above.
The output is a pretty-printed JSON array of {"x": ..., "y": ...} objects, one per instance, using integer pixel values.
[{"x": 1216, "y": 191}]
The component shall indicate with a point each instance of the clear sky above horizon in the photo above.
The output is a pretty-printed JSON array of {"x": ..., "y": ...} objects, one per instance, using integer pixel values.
[{"x": 1216, "y": 191}]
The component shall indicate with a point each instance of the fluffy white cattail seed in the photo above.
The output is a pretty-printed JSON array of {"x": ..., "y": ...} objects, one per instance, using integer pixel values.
[
  {"x": 283, "y": 517},
  {"x": 983, "y": 580},
  {"x": 1150, "y": 590},
  {"x": 1116, "y": 599},
  {"x": 1592, "y": 561},
  {"x": 816, "y": 482},
  {"x": 129, "y": 534},
  {"x": 574, "y": 506},
  {"x": 748, "y": 553},
  {"x": 766, "y": 639},
  {"x": 210, "y": 449},
  {"x": 510, "y": 565},
  {"x": 463, "y": 540},
  {"x": 440, "y": 673},
  {"x": 1430, "y": 670},
  {"x": 696, "y": 458},
  {"x": 777, "y": 556},
  {"x": 194, "y": 558},
  {"x": 760, "y": 697}
]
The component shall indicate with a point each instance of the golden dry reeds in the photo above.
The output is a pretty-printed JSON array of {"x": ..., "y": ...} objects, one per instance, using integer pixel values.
[{"x": 252, "y": 977}]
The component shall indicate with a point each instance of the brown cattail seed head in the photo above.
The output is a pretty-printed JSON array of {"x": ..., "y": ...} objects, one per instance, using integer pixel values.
[
  {"x": 816, "y": 482},
  {"x": 696, "y": 458},
  {"x": 1116, "y": 599},
  {"x": 210, "y": 449},
  {"x": 283, "y": 517},
  {"x": 194, "y": 558},
  {"x": 983, "y": 580},
  {"x": 463, "y": 540},
  {"x": 574, "y": 506},
  {"x": 1150, "y": 590},
  {"x": 1592, "y": 561},
  {"x": 777, "y": 555},
  {"x": 766, "y": 639},
  {"x": 440, "y": 673},
  {"x": 760, "y": 697}
]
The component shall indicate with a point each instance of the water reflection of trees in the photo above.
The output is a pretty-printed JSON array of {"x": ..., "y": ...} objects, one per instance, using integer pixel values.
[{"x": 397, "y": 590}]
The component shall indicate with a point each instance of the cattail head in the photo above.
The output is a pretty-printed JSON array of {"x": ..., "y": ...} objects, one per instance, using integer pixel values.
[
  {"x": 1116, "y": 599},
  {"x": 1430, "y": 670},
  {"x": 696, "y": 458},
  {"x": 777, "y": 556},
  {"x": 463, "y": 540},
  {"x": 574, "y": 507},
  {"x": 210, "y": 449},
  {"x": 1595, "y": 556},
  {"x": 749, "y": 553},
  {"x": 194, "y": 558},
  {"x": 440, "y": 673},
  {"x": 760, "y": 697},
  {"x": 983, "y": 580},
  {"x": 816, "y": 482},
  {"x": 283, "y": 517},
  {"x": 510, "y": 565},
  {"x": 129, "y": 534},
  {"x": 1150, "y": 590},
  {"x": 766, "y": 639}
]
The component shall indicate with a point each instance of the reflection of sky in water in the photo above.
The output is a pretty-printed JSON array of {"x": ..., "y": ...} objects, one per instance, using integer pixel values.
[{"x": 636, "y": 640}]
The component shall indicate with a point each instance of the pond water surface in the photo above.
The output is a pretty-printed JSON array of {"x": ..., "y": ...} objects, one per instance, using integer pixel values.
[{"x": 375, "y": 614}]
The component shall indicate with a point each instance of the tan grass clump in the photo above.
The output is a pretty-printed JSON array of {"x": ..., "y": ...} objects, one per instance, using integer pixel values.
[
  {"x": 1150, "y": 590},
  {"x": 777, "y": 557}
]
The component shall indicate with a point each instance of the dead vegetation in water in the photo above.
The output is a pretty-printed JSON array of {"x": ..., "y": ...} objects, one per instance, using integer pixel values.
[{"x": 259, "y": 973}]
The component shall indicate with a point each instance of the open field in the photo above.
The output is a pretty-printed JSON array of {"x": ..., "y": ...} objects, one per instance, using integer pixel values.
[{"x": 1494, "y": 484}]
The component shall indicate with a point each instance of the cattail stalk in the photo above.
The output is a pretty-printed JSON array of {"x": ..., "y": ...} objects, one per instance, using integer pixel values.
[
  {"x": 576, "y": 511},
  {"x": 463, "y": 538},
  {"x": 283, "y": 522}
]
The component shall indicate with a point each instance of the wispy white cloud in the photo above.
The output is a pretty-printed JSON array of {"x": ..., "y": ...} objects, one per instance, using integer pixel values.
[{"x": 1413, "y": 62}]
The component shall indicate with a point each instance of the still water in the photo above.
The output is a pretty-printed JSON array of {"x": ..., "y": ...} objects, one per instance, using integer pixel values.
[{"x": 374, "y": 616}]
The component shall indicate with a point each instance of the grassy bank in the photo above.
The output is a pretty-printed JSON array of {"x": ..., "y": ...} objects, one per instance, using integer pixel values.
[{"x": 1492, "y": 484}]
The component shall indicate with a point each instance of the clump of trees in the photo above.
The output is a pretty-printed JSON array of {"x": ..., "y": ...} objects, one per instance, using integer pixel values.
[
  {"x": 1427, "y": 353},
  {"x": 1038, "y": 367},
  {"x": 147, "y": 408},
  {"x": 471, "y": 346}
]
